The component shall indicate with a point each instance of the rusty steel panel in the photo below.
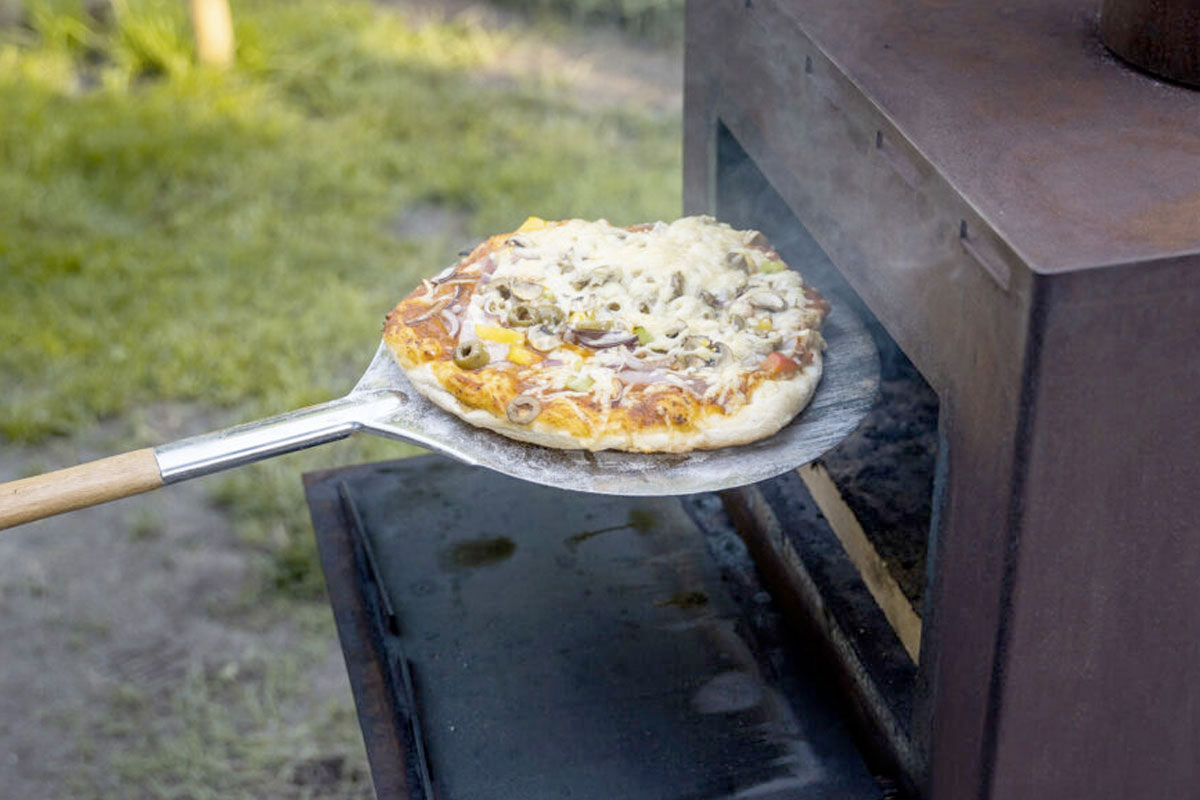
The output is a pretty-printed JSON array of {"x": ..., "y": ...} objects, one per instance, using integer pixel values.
[{"x": 1077, "y": 160}]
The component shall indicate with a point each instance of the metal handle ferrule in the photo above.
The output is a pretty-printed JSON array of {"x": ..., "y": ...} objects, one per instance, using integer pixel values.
[{"x": 254, "y": 441}]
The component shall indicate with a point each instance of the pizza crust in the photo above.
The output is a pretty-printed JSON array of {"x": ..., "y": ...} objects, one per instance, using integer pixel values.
[{"x": 774, "y": 405}]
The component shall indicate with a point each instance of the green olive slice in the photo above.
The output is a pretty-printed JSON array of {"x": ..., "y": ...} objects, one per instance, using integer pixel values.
[
  {"x": 523, "y": 409},
  {"x": 550, "y": 316},
  {"x": 522, "y": 315},
  {"x": 471, "y": 355}
]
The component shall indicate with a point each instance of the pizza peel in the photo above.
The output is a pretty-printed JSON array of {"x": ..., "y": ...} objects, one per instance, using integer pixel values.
[{"x": 384, "y": 403}]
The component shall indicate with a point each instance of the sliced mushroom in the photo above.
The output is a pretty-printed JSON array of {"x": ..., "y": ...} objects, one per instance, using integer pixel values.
[
  {"x": 755, "y": 239},
  {"x": 523, "y": 409},
  {"x": 766, "y": 344},
  {"x": 673, "y": 330},
  {"x": 596, "y": 277},
  {"x": 812, "y": 340},
  {"x": 767, "y": 301},
  {"x": 542, "y": 339},
  {"x": 677, "y": 284},
  {"x": 709, "y": 298},
  {"x": 601, "y": 275},
  {"x": 527, "y": 290},
  {"x": 501, "y": 287},
  {"x": 722, "y": 352},
  {"x": 737, "y": 260},
  {"x": 737, "y": 321}
]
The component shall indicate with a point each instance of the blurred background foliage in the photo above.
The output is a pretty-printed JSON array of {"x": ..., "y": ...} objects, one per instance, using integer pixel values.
[
  {"x": 231, "y": 240},
  {"x": 657, "y": 19}
]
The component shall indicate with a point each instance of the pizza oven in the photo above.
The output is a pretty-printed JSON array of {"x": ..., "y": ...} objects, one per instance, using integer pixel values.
[
  {"x": 1002, "y": 562},
  {"x": 988, "y": 591}
]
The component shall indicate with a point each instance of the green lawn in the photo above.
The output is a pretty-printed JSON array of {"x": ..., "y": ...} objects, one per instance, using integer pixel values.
[{"x": 231, "y": 240}]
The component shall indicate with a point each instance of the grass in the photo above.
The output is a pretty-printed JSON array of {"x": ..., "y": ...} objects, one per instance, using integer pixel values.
[{"x": 229, "y": 239}]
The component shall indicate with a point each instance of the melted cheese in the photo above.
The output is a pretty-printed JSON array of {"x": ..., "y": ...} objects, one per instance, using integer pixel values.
[{"x": 691, "y": 289}]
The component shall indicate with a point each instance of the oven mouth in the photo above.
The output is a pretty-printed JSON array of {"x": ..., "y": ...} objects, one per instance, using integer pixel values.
[{"x": 857, "y": 527}]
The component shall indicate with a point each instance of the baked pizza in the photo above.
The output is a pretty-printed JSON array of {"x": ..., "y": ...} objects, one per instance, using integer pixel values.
[{"x": 662, "y": 337}]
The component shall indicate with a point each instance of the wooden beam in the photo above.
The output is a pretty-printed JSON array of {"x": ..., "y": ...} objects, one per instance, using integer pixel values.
[{"x": 865, "y": 557}]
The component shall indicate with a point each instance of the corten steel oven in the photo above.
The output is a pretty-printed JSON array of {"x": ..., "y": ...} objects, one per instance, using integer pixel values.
[{"x": 1017, "y": 214}]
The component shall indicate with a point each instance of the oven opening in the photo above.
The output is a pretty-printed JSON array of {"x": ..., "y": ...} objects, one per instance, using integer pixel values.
[{"x": 858, "y": 521}]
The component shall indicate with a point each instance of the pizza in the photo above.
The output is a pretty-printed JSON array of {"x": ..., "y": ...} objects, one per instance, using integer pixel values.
[{"x": 661, "y": 337}]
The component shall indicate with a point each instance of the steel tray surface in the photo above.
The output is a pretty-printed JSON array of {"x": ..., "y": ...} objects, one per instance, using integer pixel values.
[{"x": 507, "y": 640}]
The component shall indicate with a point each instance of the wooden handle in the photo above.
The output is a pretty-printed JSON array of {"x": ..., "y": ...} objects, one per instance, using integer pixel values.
[{"x": 77, "y": 487}]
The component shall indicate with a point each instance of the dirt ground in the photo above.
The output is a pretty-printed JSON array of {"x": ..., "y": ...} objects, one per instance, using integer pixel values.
[{"x": 141, "y": 656}]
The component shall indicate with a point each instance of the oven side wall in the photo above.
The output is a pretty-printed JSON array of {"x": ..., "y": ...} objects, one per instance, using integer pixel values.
[{"x": 1100, "y": 695}]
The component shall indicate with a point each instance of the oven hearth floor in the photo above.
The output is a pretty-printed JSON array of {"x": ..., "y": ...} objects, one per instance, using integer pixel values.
[{"x": 505, "y": 640}]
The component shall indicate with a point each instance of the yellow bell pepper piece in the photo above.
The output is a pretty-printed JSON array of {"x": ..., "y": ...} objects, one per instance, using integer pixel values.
[
  {"x": 494, "y": 333},
  {"x": 520, "y": 355},
  {"x": 532, "y": 224}
]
